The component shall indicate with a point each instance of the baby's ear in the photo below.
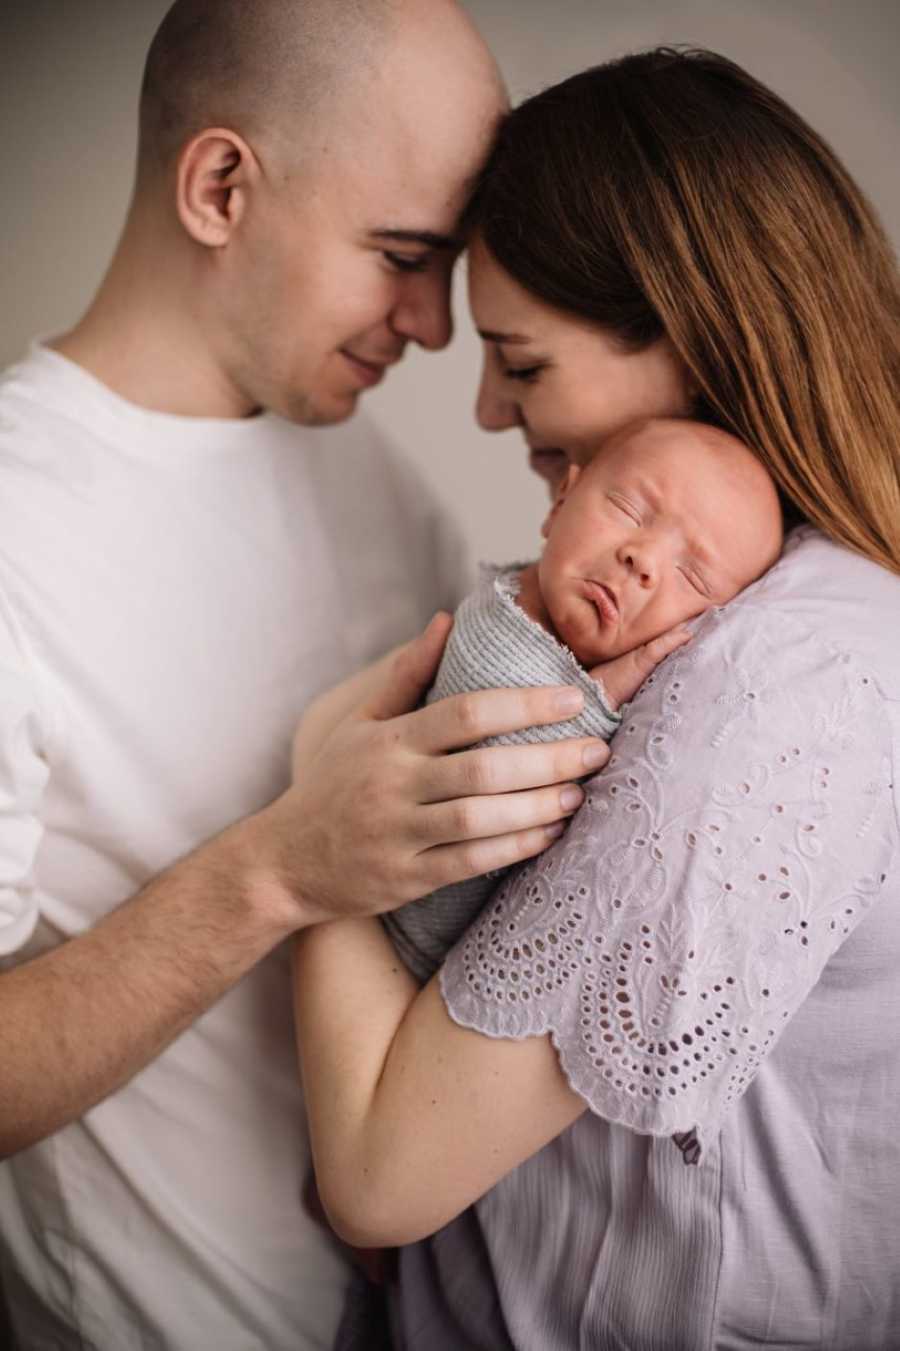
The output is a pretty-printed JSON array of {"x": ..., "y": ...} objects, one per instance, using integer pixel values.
[{"x": 562, "y": 492}]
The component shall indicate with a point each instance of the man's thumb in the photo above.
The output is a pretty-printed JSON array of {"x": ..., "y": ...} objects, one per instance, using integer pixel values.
[{"x": 412, "y": 672}]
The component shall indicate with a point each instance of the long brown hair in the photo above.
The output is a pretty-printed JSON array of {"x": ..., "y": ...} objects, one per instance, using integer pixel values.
[{"x": 669, "y": 192}]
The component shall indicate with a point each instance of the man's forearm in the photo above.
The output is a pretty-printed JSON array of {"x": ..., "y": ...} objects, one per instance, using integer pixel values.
[
  {"x": 377, "y": 815},
  {"x": 78, "y": 1022}
]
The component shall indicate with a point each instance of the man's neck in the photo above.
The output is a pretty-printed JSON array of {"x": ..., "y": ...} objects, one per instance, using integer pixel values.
[{"x": 138, "y": 339}]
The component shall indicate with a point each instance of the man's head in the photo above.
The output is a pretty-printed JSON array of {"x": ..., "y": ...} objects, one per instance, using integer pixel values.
[
  {"x": 669, "y": 519},
  {"x": 310, "y": 160}
]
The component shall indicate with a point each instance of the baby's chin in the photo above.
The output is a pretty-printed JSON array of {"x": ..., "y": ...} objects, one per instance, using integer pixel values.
[{"x": 592, "y": 654}]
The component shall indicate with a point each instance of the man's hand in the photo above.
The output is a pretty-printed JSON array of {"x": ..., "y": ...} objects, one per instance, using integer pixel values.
[
  {"x": 380, "y": 813},
  {"x": 623, "y": 676}
]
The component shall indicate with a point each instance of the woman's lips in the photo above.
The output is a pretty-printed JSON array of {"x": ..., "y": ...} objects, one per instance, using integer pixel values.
[
  {"x": 548, "y": 462},
  {"x": 605, "y": 601}
]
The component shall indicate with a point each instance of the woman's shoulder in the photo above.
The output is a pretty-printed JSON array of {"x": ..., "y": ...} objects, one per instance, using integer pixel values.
[{"x": 820, "y": 593}]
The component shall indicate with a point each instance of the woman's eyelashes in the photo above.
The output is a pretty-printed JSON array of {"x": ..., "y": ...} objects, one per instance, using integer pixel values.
[{"x": 525, "y": 374}]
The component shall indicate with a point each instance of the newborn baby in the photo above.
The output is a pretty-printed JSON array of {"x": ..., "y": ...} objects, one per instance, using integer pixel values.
[{"x": 668, "y": 520}]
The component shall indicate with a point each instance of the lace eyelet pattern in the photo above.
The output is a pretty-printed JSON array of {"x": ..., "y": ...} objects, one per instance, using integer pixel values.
[{"x": 727, "y": 850}]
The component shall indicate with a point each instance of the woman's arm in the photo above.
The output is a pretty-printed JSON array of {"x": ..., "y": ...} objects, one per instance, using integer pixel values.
[
  {"x": 376, "y": 1053},
  {"x": 742, "y": 829},
  {"x": 438, "y": 1129},
  {"x": 401, "y": 1100}
]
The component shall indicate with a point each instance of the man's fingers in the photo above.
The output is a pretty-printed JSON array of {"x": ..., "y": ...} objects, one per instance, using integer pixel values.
[
  {"x": 510, "y": 769},
  {"x": 450, "y": 724},
  {"x": 475, "y": 818},
  {"x": 454, "y": 862},
  {"x": 411, "y": 672}
]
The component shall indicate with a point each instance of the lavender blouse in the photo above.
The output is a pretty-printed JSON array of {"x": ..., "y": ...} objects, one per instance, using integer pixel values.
[{"x": 714, "y": 947}]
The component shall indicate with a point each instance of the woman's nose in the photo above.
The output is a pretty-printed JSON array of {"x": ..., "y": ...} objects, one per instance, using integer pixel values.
[{"x": 495, "y": 411}]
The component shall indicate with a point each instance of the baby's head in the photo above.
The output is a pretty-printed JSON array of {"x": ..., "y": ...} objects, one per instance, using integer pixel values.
[{"x": 670, "y": 518}]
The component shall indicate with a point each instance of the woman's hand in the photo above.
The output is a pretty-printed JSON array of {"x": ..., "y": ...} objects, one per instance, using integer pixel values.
[
  {"x": 623, "y": 676},
  {"x": 379, "y": 812}
]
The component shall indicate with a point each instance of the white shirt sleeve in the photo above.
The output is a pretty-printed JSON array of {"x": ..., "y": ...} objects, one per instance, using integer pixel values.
[
  {"x": 742, "y": 829},
  {"x": 23, "y": 778}
]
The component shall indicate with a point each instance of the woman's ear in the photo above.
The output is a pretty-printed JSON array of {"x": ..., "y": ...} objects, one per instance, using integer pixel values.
[
  {"x": 566, "y": 485},
  {"x": 215, "y": 172}
]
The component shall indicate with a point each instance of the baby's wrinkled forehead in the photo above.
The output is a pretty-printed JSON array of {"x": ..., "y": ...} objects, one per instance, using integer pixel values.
[{"x": 707, "y": 477}]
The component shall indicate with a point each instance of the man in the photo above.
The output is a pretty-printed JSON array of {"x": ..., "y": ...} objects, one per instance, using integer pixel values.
[{"x": 180, "y": 572}]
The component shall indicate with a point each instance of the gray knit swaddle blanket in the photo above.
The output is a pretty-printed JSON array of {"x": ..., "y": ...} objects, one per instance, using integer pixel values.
[{"x": 493, "y": 645}]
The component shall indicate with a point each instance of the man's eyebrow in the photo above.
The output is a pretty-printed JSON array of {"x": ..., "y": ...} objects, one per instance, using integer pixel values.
[
  {"x": 429, "y": 238},
  {"x": 489, "y": 335}
]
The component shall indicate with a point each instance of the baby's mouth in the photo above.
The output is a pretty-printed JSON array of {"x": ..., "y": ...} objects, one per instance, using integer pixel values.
[{"x": 604, "y": 599}]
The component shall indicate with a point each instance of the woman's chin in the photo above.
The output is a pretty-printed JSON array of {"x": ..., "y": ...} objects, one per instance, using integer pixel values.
[{"x": 550, "y": 465}]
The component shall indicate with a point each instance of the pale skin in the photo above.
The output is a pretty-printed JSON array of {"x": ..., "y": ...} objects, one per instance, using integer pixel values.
[
  {"x": 413, "y": 1117},
  {"x": 403, "y": 1102},
  {"x": 186, "y": 322},
  {"x": 670, "y": 518}
]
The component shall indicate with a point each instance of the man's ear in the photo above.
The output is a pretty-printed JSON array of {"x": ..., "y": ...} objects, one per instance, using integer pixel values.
[
  {"x": 562, "y": 492},
  {"x": 216, "y": 170}
]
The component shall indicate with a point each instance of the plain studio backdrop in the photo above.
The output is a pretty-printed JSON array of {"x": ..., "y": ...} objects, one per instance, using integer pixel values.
[{"x": 69, "y": 76}]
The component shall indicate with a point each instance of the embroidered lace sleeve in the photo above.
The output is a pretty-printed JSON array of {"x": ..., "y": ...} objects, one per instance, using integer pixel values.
[
  {"x": 741, "y": 830},
  {"x": 23, "y": 777}
]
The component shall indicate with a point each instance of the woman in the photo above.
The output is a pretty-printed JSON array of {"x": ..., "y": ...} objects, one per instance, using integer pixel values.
[{"x": 683, "y": 978}]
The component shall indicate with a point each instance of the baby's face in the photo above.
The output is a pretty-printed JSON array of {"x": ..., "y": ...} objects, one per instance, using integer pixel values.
[{"x": 667, "y": 521}]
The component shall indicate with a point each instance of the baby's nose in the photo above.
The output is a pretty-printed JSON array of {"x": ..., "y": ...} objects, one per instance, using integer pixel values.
[{"x": 640, "y": 561}]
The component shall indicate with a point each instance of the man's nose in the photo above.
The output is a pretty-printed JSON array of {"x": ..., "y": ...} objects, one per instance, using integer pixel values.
[
  {"x": 495, "y": 411},
  {"x": 423, "y": 313}
]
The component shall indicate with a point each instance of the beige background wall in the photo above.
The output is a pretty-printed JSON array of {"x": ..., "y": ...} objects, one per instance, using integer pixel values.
[{"x": 69, "y": 72}]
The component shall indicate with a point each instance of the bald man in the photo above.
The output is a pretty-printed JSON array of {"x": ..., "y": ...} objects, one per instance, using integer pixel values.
[{"x": 189, "y": 551}]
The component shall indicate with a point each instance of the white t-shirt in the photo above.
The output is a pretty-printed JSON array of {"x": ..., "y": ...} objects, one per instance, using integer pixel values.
[{"x": 173, "y": 591}]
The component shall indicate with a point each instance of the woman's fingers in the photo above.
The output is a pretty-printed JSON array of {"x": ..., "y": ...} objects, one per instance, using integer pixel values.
[
  {"x": 510, "y": 769},
  {"x": 477, "y": 818}
]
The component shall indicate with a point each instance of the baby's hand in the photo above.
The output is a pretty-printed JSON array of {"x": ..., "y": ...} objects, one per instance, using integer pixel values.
[{"x": 623, "y": 676}]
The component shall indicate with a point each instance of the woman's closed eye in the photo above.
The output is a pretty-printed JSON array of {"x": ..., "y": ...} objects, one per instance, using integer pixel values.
[{"x": 526, "y": 374}]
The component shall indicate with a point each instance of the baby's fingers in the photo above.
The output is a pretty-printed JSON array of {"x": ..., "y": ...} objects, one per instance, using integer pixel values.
[
  {"x": 623, "y": 676},
  {"x": 652, "y": 653}
]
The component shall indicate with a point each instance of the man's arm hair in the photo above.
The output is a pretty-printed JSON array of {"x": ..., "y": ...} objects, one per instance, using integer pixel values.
[{"x": 76, "y": 1023}]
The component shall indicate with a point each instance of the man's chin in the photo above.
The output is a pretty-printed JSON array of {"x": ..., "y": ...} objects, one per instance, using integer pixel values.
[{"x": 321, "y": 413}]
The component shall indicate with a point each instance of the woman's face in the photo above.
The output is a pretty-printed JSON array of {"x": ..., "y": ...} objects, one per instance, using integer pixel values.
[{"x": 567, "y": 383}]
